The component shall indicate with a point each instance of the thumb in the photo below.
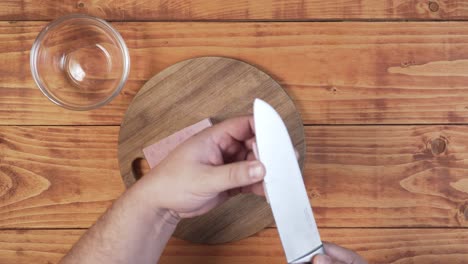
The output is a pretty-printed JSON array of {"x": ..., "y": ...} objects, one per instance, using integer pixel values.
[{"x": 237, "y": 174}]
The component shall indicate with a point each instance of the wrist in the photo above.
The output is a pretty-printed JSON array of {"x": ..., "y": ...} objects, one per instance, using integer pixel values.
[
  {"x": 168, "y": 216},
  {"x": 148, "y": 204}
]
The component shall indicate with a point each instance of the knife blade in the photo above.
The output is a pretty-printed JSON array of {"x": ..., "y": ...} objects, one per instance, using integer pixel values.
[{"x": 284, "y": 186}]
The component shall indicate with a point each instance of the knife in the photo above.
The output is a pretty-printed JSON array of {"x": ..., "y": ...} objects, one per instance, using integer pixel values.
[{"x": 284, "y": 186}]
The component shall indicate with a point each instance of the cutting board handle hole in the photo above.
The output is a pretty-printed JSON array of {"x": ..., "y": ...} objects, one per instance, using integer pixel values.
[{"x": 140, "y": 167}]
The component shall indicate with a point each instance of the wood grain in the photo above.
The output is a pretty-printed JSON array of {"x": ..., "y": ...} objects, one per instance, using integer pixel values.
[
  {"x": 376, "y": 245},
  {"x": 214, "y": 87},
  {"x": 364, "y": 176},
  {"x": 356, "y": 176},
  {"x": 336, "y": 73},
  {"x": 57, "y": 176},
  {"x": 130, "y": 10}
]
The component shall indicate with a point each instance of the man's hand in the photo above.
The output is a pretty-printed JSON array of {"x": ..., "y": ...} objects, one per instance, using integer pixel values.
[
  {"x": 338, "y": 255},
  {"x": 205, "y": 170},
  {"x": 197, "y": 176}
]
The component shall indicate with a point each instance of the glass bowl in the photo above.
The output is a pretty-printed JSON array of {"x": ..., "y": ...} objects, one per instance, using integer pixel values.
[{"x": 80, "y": 62}]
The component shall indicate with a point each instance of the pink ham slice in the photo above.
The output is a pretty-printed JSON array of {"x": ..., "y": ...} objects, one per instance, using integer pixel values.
[{"x": 155, "y": 153}]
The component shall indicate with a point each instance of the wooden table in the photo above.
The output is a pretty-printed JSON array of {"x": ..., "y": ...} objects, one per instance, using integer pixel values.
[{"x": 382, "y": 87}]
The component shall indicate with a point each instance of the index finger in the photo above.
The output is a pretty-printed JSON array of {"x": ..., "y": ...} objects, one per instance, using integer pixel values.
[{"x": 238, "y": 128}]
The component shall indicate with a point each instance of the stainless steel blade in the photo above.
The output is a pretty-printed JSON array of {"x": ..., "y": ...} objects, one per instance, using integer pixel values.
[{"x": 284, "y": 186}]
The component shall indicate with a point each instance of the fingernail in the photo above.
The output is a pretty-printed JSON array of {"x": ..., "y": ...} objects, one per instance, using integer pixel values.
[
  {"x": 256, "y": 170},
  {"x": 322, "y": 259}
]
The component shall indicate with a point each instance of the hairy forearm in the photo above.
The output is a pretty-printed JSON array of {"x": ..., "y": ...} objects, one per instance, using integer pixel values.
[{"x": 129, "y": 232}]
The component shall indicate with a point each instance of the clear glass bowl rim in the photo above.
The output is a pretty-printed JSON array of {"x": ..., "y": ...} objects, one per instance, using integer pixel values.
[{"x": 54, "y": 24}]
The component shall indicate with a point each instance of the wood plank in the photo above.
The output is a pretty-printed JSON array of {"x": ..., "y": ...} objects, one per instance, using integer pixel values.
[
  {"x": 236, "y": 10},
  {"x": 376, "y": 245},
  {"x": 337, "y": 73},
  {"x": 356, "y": 176},
  {"x": 388, "y": 175},
  {"x": 57, "y": 177}
]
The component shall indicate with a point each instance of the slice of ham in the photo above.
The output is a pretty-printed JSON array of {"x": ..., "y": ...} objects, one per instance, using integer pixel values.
[{"x": 156, "y": 152}]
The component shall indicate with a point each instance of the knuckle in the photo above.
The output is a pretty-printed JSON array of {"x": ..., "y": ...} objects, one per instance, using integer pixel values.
[{"x": 232, "y": 174}]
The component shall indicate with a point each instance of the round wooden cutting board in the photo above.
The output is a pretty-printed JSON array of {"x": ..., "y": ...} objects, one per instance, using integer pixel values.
[{"x": 186, "y": 93}]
